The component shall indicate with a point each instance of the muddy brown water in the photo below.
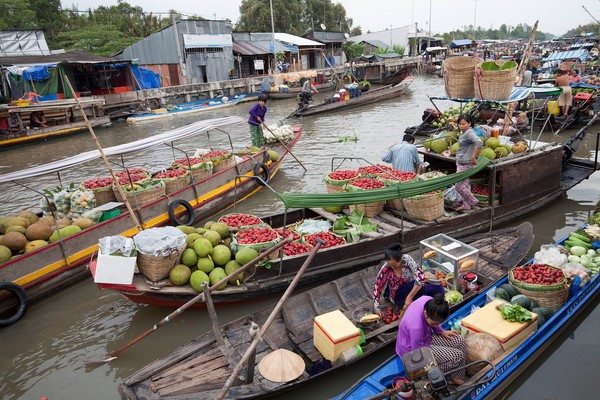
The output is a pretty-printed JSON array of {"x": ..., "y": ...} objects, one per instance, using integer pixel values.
[{"x": 44, "y": 353}]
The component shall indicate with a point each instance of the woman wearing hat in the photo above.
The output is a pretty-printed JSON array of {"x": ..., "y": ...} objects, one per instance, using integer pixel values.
[{"x": 257, "y": 118}]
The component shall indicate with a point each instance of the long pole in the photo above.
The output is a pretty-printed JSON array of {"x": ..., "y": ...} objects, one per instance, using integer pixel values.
[
  {"x": 429, "y": 35},
  {"x": 272, "y": 35},
  {"x": 284, "y": 146}
]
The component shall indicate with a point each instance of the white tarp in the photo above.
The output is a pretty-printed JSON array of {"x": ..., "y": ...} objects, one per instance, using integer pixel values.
[{"x": 156, "y": 140}]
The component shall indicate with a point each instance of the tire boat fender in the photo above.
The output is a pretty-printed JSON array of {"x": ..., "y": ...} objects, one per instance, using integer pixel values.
[
  {"x": 19, "y": 292},
  {"x": 266, "y": 174},
  {"x": 188, "y": 208}
]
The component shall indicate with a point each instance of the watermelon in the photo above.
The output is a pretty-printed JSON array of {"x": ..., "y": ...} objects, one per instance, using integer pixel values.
[
  {"x": 521, "y": 300},
  {"x": 510, "y": 289},
  {"x": 534, "y": 304},
  {"x": 501, "y": 294},
  {"x": 548, "y": 313},
  {"x": 541, "y": 320}
]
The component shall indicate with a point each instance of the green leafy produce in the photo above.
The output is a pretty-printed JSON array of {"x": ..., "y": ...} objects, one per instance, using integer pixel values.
[
  {"x": 515, "y": 313},
  {"x": 353, "y": 225},
  {"x": 453, "y": 297}
]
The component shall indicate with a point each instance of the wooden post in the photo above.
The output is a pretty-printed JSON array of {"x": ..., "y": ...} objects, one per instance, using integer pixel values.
[
  {"x": 252, "y": 358},
  {"x": 212, "y": 313}
]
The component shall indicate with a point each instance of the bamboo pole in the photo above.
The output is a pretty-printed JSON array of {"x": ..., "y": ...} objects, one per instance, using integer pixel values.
[
  {"x": 229, "y": 382},
  {"x": 110, "y": 170}
]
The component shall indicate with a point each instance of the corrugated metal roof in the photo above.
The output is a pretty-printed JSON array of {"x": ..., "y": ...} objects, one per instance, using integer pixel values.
[
  {"x": 376, "y": 43},
  {"x": 296, "y": 40},
  {"x": 460, "y": 42},
  {"x": 326, "y": 36},
  {"x": 250, "y": 48},
  {"x": 23, "y": 43},
  {"x": 580, "y": 54},
  {"x": 67, "y": 57}
]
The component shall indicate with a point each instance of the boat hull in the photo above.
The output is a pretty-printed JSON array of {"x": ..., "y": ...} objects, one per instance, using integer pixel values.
[{"x": 293, "y": 92}]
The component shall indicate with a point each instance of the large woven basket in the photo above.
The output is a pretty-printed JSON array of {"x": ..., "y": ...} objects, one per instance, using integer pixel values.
[
  {"x": 458, "y": 76},
  {"x": 426, "y": 207},
  {"x": 139, "y": 199},
  {"x": 553, "y": 299},
  {"x": 369, "y": 209},
  {"x": 494, "y": 85},
  {"x": 156, "y": 268},
  {"x": 176, "y": 184},
  {"x": 395, "y": 204},
  {"x": 104, "y": 195},
  {"x": 223, "y": 164}
]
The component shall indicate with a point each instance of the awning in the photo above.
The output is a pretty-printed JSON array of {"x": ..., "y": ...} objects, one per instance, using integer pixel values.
[
  {"x": 434, "y": 49},
  {"x": 460, "y": 42},
  {"x": 580, "y": 54},
  {"x": 518, "y": 93},
  {"x": 156, "y": 140},
  {"x": 578, "y": 45}
]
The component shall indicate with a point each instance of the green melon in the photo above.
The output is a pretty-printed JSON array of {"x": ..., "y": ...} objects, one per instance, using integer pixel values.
[
  {"x": 180, "y": 274},
  {"x": 244, "y": 256},
  {"x": 500, "y": 293},
  {"x": 197, "y": 279},
  {"x": 205, "y": 264},
  {"x": 221, "y": 255},
  {"x": 488, "y": 153},
  {"x": 203, "y": 247},
  {"x": 541, "y": 320},
  {"x": 215, "y": 276},
  {"x": 189, "y": 257},
  {"x": 439, "y": 145},
  {"x": 521, "y": 300},
  {"x": 231, "y": 267},
  {"x": 492, "y": 142},
  {"x": 510, "y": 289}
]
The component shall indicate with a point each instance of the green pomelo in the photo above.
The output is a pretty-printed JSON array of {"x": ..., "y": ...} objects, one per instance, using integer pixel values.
[
  {"x": 273, "y": 156},
  {"x": 221, "y": 255},
  {"x": 180, "y": 275},
  {"x": 189, "y": 257},
  {"x": 203, "y": 247},
  {"x": 254, "y": 149},
  {"x": 186, "y": 229},
  {"x": 5, "y": 254},
  {"x": 333, "y": 209},
  {"x": 500, "y": 151},
  {"x": 244, "y": 256},
  {"x": 221, "y": 228},
  {"x": 191, "y": 238},
  {"x": 197, "y": 279},
  {"x": 439, "y": 145},
  {"x": 15, "y": 241},
  {"x": 230, "y": 268},
  {"x": 64, "y": 232},
  {"x": 201, "y": 230},
  {"x": 17, "y": 228},
  {"x": 508, "y": 148},
  {"x": 454, "y": 149},
  {"x": 213, "y": 237},
  {"x": 208, "y": 224},
  {"x": 34, "y": 244},
  {"x": 216, "y": 275},
  {"x": 427, "y": 144},
  {"x": 205, "y": 264},
  {"x": 492, "y": 142},
  {"x": 488, "y": 153}
]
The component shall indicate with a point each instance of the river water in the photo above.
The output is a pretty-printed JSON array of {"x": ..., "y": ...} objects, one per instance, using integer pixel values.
[{"x": 44, "y": 353}]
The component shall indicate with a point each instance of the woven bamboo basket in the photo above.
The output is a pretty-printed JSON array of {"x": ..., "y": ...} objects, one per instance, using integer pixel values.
[
  {"x": 104, "y": 195},
  {"x": 336, "y": 185},
  {"x": 458, "y": 76},
  {"x": 553, "y": 299},
  {"x": 176, "y": 184},
  {"x": 139, "y": 199},
  {"x": 395, "y": 204},
  {"x": 494, "y": 85},
  {"x": 156, "y": 268},
  {"x": 369, "y": 209},
  {"x": 223, "y": 164},
  {"x": 426, "y": 207}
]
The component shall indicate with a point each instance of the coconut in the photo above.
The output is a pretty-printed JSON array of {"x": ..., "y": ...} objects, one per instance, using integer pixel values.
[
  {"x": 488, "y": 153},
  {"x": 519, "y": 147},
  {"x": 15, "y": 241},
  {"x": 508, "y": 148},
  {"x": 500, "y": 152},
  {"x": 492, "y": 142}
]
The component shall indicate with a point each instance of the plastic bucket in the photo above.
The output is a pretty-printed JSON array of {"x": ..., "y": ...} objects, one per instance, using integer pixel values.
[
  {"x": 553, "y": 108},
  {"x": 408, "y": 395}
]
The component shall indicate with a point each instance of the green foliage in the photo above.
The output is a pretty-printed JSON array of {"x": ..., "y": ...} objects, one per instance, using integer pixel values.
[
  {"x": 17, "y": 14},
  {"x": 103, "y": 40},
  {"x": 399, "y": 49},
  {"x": 353, "y": 50},
  {"x": 353, "y": 225}
]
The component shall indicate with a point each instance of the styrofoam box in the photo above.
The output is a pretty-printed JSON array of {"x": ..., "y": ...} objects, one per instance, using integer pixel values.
[
  {"x": 333, "y": 334},
  {"x": 114, "y": 269}
]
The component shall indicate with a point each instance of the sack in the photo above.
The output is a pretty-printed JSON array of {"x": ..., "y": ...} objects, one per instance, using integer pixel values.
[{"x": 452, "y": 198}]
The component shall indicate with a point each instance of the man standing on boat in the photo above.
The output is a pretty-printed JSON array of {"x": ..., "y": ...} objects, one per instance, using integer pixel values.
[
  {"x": 257, "y": 118},
  {"x": 403, "y": 156}
]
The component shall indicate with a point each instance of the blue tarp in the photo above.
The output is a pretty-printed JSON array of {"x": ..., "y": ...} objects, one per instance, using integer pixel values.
[
  {"x": 147, "y": 78},
  {"x": 580, "y": 54},
  {"x": 37, "y": 73},
  {"x": 518, "y": 93},
  {"x": 460, "y": 42}
]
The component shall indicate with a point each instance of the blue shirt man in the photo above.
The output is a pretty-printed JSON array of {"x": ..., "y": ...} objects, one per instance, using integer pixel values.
[{"x": 403, "y": 156}]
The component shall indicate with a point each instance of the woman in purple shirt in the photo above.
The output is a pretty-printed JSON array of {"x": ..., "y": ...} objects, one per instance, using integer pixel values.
[
  {"x": 257, "y": 117},
  {"x": 420, "y": 327}
]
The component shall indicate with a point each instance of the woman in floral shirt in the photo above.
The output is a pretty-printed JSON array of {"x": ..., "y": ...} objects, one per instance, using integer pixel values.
[{"x": 404, "y": 279}]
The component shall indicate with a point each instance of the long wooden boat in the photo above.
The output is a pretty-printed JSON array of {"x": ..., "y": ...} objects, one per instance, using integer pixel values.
[
  {"x": 44, "y": 271},
  {"x": 293, "y": 92},
  {"x": 422, "y": 130},
  {"x": 372, "y": 96},
  {"x": 185, "y": 109},
  {"x": 484, "y": 384},
  {"x": 518, "y": 185},
  {"x": 63, "y": 116},
  {"x": 199, "y": 369}
]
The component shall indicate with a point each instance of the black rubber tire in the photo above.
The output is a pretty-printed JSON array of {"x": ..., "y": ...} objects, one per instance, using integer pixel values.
[
  {"x": 188, "y": 207},
  {"x": 19, "y": 292},
  {"x": 266, "y": 172}
]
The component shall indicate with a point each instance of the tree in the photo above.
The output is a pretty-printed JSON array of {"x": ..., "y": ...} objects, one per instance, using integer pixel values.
[
  {"x": 49, "y": 17},
  {"x": 17, "y": 14},
  {"x": 103, "y": 40},
  {"x": 353, "y": 50}
]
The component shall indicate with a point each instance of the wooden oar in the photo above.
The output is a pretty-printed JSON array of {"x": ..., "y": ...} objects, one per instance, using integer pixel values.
[
  {"x": 284, "y": 146},
  {"x": 112, "y": 355},
  {"x": 230, "y": 381}
]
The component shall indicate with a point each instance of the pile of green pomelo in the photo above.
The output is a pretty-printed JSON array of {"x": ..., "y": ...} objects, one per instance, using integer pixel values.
[
  {"x": 446, "y": 143},
  {"x": 207, "y": 257}
]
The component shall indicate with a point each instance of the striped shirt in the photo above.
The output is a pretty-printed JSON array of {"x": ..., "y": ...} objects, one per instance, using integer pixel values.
[
  {"x": 403, "y": 157},
  {"x": 410, "y": 272}
]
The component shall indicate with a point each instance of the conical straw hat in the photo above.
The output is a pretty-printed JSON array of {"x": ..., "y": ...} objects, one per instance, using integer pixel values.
[{"x": 281, "y": 366}]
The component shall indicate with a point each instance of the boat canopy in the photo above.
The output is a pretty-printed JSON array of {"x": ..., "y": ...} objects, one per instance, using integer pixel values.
[
  {"x": 518, "y": 93},
  {"x": 302, "y": 200},
  {"x": 460, "y": 42},
  {"x": 580, "y": 54},
  {"x": 156, "y": 140}
]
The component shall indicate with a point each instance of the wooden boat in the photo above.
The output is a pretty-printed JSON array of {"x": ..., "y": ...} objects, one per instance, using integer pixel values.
[
  {"x": 293, "y": 92},
  {"x": 509, "y": 365},
  {"x": 63, "y": 116},
  {"x": 199, "y": 369},
  {"x": 46, "y": 270},
  {"x": 185, "y": 109},
  {"x": 372, "y": 96},
  {"x": 510, "y": 197},
  {"x": 388, "y": 71},
  {"x": 422, "y": 130}
]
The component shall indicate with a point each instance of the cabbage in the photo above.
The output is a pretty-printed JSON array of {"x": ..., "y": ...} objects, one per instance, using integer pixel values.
[
  {"x": 578, "y": 251},
  {"x": 574, "y": 259},
  {"x": 453, "y": 297}
]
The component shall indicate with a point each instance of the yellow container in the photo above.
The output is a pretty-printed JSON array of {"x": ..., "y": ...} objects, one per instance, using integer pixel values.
[
  {"x": 553, "y": 108},
  {"x": 333, "y": 334},
  {"x": 347, "y": 97}
]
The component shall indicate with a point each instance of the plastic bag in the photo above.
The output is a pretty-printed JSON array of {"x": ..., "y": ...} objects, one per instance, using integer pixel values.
[
  {"x": 452, "y": 198},
  {"x": 82, "y": 201},
  {"x": 117, "y": 246},
  {"x": 200, "y": 152},
  {"x": 310, "y": 226},
  {"x": 93, "y": 214},
  {"x": 572, "y": 270},
  {"x": 160, "y": 241},
  {"x": 550, "y": 256}
]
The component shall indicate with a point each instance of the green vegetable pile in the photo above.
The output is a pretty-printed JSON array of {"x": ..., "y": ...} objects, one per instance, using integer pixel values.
[
  {"x": 515, "y": 313},
  {"x": 453, "y": 297},
  {"x": 353, "y": 225}
]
